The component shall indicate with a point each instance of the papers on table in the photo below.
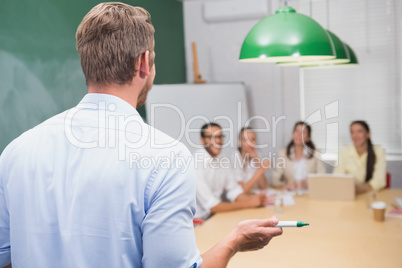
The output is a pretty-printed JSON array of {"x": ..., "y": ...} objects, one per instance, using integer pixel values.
[
  {"x": 396, "y": 212},
  {"x": 288, "y": 200},
  {"x": 286, "y": 196},
  {"x": 298, "y": 192}
]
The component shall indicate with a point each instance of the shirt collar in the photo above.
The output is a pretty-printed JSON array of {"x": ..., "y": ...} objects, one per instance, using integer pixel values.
[{"x": 107, "y": 102}]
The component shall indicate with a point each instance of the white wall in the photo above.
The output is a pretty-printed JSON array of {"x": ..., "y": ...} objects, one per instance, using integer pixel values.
[{"x": 182, "y": 118}]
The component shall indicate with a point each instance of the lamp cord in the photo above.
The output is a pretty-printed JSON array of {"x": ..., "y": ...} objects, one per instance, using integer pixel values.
[{"x": 328, "y": 14}]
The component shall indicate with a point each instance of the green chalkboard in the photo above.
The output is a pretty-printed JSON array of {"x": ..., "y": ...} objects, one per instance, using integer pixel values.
[{"x": 40, "y": 72}]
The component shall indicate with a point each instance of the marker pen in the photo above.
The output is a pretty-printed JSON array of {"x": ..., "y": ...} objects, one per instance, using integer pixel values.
[{"x": 291, "y": 224}]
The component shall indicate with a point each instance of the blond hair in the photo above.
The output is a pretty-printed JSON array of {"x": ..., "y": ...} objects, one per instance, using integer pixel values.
[{"x": 110, "y": 40}]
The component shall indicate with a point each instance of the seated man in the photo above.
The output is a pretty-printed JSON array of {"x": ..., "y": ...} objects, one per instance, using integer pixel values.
[{"x": 215, "y": 185}]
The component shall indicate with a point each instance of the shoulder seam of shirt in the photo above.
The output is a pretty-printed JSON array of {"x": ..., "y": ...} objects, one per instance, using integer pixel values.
[
  {"x": 148, "y": 187},
  {"x": 150, "y": 183}
]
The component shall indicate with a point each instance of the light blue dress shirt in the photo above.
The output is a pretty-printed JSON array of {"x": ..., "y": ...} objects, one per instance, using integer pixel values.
[{"x": 97, "y": 187}]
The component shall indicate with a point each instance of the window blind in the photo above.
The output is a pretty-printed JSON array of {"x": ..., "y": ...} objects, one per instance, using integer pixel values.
[{"x": 370, "y": 91}]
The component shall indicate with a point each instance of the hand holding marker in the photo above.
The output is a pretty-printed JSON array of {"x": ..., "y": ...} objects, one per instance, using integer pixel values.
[{"x": 291, "y": 224}]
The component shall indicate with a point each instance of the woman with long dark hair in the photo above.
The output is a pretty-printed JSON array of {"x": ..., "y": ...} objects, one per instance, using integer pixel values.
[
  {"x": 299, "y": 158},
  {"x": 363, "y": 159}
]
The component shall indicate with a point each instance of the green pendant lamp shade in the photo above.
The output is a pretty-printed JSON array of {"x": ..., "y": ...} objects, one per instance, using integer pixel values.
[
  {"x": 342, "y": 54},
  {"x": 286, "y": 36}
]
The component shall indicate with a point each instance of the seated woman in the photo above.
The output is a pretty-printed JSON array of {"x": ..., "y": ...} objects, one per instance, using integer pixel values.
[
  {"x": 297, "y": 160},
  {"x": 248, "y": 167},
  {"x": 363, "y": 159}
]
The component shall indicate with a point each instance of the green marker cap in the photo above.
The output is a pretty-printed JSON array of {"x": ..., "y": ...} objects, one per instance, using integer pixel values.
[{"x": 301, "y": 224}]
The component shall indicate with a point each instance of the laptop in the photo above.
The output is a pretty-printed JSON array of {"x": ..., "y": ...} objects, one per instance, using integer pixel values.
[{"x": 331, "y": 186}]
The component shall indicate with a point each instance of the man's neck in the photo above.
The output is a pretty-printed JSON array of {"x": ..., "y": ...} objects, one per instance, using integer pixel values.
[{"x": 125, "y": 92}]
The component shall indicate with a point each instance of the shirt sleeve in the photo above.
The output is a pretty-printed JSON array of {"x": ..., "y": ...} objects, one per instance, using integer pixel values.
[
  {"x": 378, "y": 181},
  {"x": 167, "y": 228},
  {"x": 232, "y": 188},
  {"x": 205, "y": 198},
  {"x": 5, "y": 249}
]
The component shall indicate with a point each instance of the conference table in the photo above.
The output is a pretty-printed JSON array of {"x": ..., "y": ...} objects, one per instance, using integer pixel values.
[{"x": 341, "y": 234}]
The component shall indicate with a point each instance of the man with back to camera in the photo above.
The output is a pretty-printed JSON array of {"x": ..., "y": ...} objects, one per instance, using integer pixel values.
[
  {"x": 217, "y": 191},
  {"x": 73, "y": 192}
]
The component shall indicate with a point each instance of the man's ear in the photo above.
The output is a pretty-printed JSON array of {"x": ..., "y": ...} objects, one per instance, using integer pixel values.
[{"x": 143, "y": 64}]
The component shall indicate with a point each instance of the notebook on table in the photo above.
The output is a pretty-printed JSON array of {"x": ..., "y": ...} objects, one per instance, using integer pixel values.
[{"x": 331, "y": 186}]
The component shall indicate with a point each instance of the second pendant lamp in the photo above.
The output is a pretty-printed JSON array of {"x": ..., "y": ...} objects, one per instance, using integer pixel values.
[{"x": 342, "y": 55}]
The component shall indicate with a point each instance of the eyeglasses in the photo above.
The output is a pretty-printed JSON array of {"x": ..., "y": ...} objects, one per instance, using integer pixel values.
[{"x": 220, "y": 137}]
